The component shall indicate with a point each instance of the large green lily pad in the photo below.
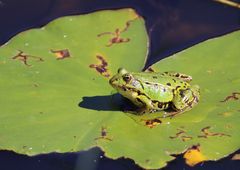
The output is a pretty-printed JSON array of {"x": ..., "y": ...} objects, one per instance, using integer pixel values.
[
  {"x": 213, "y": 125},
  {"x": 55, "y": 94},
  {"x": 54, "y": 86}
]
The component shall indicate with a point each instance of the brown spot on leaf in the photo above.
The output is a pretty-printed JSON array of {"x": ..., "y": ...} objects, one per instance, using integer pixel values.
[
  {"x": 104, "y": 134},
  {"x": 181, "y": 134},
  {"x": 24, "y": 58},
  {"x": 102, "y": 67},
  {"x": 116, "y": 35},
  {"x": 151, "y": 123},
  {"x": 206, "y": 133},
  {"x": 234, "y": 96},
  {"x": 61, "y": 54}
]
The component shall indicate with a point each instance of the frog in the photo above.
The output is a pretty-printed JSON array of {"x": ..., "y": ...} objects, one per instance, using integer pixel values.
[{"x": 157, "y": 91}]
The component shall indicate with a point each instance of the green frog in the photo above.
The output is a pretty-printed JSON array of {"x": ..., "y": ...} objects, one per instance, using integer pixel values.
[{"x": 152, "y": 91}]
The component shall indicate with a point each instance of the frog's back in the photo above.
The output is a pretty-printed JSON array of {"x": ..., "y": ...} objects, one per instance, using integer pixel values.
[
  {"x": 160, "y": 78},
  {"x": 158, "y": 86}
]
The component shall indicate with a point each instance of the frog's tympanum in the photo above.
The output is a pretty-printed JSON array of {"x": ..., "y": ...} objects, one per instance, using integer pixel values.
[{"x": 151, "y": 91}]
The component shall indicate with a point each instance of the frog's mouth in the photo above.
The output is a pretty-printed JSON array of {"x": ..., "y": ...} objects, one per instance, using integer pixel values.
[
  {"x": 119, "y": 87},
  {"x": 113, "y": 81}
]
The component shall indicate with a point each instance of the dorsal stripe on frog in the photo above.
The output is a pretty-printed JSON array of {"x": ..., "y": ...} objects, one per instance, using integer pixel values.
[{"x": 178, "y": 75}]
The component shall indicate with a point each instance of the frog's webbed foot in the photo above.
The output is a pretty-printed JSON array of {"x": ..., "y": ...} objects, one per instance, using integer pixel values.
[
  {"x": 186, "y": 99},
  {"x": 184, "y": 77}
]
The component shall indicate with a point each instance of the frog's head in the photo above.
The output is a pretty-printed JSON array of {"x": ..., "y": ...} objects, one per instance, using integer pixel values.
[
  {"x": 125, "y": 83},
  {"x": 121, "y": 78}
]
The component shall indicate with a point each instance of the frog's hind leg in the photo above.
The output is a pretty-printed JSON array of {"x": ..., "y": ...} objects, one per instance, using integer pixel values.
[
  {"x": 186, "y": 99},
  {"x": 184, "y": 77}
]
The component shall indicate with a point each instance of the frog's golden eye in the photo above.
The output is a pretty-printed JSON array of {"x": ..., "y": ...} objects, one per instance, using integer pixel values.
[{"x": 127, "y": 77}]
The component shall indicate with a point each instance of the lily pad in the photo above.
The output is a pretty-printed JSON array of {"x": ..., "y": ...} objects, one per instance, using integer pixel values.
[
  {"x": 212, "y": 126},
  {"x": 55, "y": 95},
  {"x": 54, "y": 86}
]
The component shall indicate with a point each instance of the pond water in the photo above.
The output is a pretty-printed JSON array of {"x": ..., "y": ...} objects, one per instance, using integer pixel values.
[{"x": 172, "y": 26}]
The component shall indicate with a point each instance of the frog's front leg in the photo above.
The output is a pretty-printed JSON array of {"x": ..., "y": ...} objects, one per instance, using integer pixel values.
[
  {"x": 147, "y": 105},
  {"x": 184, "y": 100}
]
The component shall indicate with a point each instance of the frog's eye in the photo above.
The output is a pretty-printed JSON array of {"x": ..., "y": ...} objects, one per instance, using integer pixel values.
[{"x": 127, "y": 77}]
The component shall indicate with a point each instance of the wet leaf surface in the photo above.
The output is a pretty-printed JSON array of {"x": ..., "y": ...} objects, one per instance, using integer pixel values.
[{"x": 55, "y": 94}]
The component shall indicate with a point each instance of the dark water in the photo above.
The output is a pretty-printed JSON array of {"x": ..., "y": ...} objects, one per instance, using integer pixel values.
[
  {"x": 173, "y": 25},
  {"x": 94, "y": 159}
]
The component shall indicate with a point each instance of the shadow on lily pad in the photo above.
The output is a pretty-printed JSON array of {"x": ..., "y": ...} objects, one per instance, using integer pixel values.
[
  {"x": 116, "y": 102},
  {"x": 113, "y": 102}
]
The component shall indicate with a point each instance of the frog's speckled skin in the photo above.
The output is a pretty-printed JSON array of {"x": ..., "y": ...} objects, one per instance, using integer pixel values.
[{"x": 156, "y": 91}]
